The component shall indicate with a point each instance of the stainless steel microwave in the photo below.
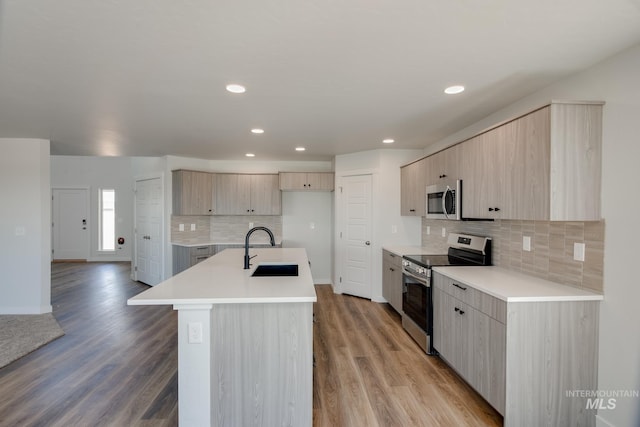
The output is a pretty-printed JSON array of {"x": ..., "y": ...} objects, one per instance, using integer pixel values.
[{"x": 444, "y": 200}]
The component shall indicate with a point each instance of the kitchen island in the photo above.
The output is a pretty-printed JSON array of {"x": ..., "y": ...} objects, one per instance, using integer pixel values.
[{"x": 245, "y": 344}]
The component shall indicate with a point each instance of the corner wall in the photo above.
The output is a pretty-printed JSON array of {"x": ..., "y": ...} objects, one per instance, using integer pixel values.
[{"x": 25, "y": 227}]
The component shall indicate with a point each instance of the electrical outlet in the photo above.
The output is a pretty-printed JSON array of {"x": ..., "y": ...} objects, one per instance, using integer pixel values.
[
  {"x": 194, "y": 330},
  {"x": 20, "y": 230},
  {"x": 250, "y": 225},
  {"x": 193, "y": 227},
  {"x": 181, "y": 227},
  {"x": 526, "y": 243},
  {"x": 578, "y": 251},
  {"x": 428, "y": 230},
  {"x": 444, "y": 232},
  {"x": 394, "y": 229},
  {"x": 312, "y": 225}
]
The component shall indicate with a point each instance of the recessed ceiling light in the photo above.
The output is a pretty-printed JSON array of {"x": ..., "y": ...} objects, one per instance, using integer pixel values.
[
  {"x": 388, "y": 141},
  {"x": 452, "y": 90},
  {"x": 256, "y": 130},
  {"x": 300, "y": 148},
  {"x": 250, "y": 155},
  {"x": 235, "y": 88}
]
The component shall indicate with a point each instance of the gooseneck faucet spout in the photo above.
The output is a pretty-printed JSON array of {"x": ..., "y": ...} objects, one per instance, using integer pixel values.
[{"x": 246, "y": 244}]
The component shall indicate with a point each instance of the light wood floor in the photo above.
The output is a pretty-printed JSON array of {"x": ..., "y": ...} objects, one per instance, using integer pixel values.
[{"x": 117, "y": 364}]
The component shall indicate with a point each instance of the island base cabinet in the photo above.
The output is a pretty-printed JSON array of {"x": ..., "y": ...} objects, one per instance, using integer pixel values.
[{"x": 262, "y": 364}]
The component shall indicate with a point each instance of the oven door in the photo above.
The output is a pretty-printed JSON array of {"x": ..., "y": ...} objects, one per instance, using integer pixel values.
[{"x": 416, "y": 300}]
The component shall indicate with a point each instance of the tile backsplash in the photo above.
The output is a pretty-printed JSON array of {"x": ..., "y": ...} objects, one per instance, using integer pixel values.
[
  {"x": 224, "y": 229},
  {"x": 552, "y": 244}
]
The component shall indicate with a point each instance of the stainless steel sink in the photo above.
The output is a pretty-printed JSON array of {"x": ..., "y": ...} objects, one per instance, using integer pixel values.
[{"x": 267, "y": 270}]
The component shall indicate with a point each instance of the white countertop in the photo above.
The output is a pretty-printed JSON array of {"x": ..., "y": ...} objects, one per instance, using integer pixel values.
[
  {"x": 411, "y": 250},
  {"x": 211, "y": 242},
  {"x": 221, "y": 279},
  {"x": 512, "y": 286}
]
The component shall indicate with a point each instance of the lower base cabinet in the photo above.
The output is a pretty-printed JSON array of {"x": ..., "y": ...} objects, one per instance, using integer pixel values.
[
  {"x": 392, "y": 279},
  {"x": 524, "y": 358}
]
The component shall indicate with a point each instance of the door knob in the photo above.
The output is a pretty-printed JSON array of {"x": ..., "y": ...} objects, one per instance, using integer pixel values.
[{"x": 367, "y": 243}]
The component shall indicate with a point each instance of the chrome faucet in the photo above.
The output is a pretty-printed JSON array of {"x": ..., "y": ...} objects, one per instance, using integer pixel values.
[{"x": 246, "y": 244}]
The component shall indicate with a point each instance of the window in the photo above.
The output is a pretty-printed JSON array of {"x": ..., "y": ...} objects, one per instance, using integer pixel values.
[{"x": 107, "y": 220}]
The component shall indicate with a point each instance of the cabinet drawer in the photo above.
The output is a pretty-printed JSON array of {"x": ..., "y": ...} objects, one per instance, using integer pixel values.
[
  {"x": 391, "y": 258},
  {"x": 200, "y": 250},
  {"x": 487, "y": 304}
]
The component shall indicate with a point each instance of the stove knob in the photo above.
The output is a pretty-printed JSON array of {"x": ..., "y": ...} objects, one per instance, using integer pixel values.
[
  {"x": 421, "y": 270},
  {"x": 405, "y": 263}
]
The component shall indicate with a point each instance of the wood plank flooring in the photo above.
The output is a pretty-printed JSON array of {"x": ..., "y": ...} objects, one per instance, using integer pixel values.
[{"x": 117, "y": 364}]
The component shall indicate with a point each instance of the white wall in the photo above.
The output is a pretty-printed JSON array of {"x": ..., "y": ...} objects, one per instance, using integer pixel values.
[
  {"x": 95, "y": 173},
  {"x": 615, "y": 81},
  {"x": 25, "y": 227},
  {"x": 384, "y": 166}
]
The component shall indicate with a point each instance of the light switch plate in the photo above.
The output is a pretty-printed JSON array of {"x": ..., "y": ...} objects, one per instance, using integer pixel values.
[
  {"x": 444, "y": 232},
  {"x": 526, "y": 243},
  {"x": 428, "y": 230},
  {"x": 394, "y": 229},
  {"x": 181, "y": 227},
  {"x": 193, "y": 227}
]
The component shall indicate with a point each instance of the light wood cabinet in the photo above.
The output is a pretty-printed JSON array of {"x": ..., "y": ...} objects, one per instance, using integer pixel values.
[
  {"x": 413, "y": 188},
  {"x": 241, "y": 194},
  {"x": 185, "y": 257},
  {"x": 392, "y": 279},
  {"x": 306, "y": 181},
  {"x": 469, "y": 339},
  {"x": 518, "y": 354},
  {"x": 193, "y": 192},
  {"x": 545, "y": 165},
  {"x": 443, "y": 165}
]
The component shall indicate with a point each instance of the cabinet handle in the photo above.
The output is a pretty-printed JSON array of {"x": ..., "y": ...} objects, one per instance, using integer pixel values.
[
  {"x": 443, "y": 176},
  {"x": 412, "y": 210},
  {"x": 459, "y": 287},
  {"x": 392, "y": 269},
  {"x": 494, "y": 209},
  {"x": 461, "y": 312},
  {"x": 456, "y": 309}
]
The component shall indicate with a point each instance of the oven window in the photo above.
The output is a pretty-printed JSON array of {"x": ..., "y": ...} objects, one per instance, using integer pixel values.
[{"x": 416, "y": 300}]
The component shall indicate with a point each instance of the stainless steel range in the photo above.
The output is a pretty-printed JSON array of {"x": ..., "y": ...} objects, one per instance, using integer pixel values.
[{"x": 417, "y": 303}]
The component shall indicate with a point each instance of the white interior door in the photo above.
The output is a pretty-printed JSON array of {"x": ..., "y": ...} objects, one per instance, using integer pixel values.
[
  {"x": 148, "y": 266},
  {"x": 70, "y": 223},
  {"x": 356, "y": 235}
]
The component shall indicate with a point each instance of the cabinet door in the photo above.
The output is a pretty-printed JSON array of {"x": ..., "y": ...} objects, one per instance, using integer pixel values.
[
  {"x": 320, "y": 181},
  {"x": 482, "y": 174},
  {"x": 233, "y": 194},
  {"x": 192, "y": 193},
  {"x": 443, "y": 165},
  {"x": 413, "y": 188},
  {"x": 488, "y": 364},
  {"x": 526, "y": 167},
  {"x": 392, "y": 285},
  {"x": 265, "y": 195},
  {"x": 293, "y": 181}
]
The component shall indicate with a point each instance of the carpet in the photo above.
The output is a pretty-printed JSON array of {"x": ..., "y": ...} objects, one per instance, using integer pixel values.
[{"x": 22, "y": 334}]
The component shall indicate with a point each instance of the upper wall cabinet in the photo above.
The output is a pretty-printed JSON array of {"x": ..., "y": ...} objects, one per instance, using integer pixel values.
[
  {"x": 306, "y": 181},
  {"x": 240, "y": 194},
  {"x": 443, "y": 165},
  {"x": 413, "y": 188},
  {"x": 545, "y": 165},
  {"x": 193, "y": 192}
]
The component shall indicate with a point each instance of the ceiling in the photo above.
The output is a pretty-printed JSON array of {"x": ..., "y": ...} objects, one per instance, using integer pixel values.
[{"x": 147, "y": 77}]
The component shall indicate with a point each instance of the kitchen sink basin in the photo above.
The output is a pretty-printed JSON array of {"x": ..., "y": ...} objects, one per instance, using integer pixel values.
[{"x": 267, "y": 270}]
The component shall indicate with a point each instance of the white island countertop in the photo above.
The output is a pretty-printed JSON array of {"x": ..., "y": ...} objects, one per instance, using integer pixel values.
[
  {"x": 511, "y": 286},
  {"x": 222, "y": 279}
]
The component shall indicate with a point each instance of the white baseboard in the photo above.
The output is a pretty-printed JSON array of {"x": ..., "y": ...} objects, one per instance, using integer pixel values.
[{"x": 26, "y": 310}]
